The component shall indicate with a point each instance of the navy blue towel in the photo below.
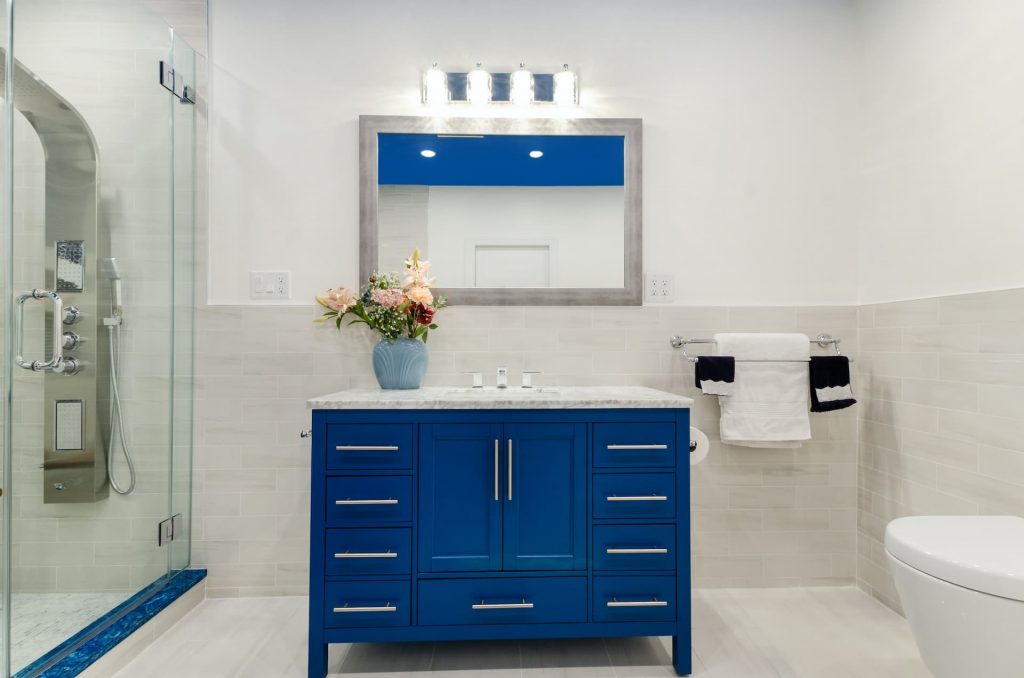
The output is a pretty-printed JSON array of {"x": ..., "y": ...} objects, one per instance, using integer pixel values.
[
  {"x": 830, "y": 383},
  {"x": 715, "y": 374}
]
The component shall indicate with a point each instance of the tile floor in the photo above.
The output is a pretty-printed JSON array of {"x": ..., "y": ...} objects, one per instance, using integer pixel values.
[
  {"x": 41, "y": 621},
  {"x": 738, "y": 633}
]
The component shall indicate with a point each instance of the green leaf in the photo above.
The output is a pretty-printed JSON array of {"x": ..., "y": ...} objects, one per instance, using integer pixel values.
[{"x": 432, "y": 326}]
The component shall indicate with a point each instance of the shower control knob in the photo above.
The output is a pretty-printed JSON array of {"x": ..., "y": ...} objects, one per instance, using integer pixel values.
[
  {"x": 69, "y": 366},
  {"x": 71, "y": 340},
  {"x": 71, "y": 315},
  {"x": 60, "y": 487}
]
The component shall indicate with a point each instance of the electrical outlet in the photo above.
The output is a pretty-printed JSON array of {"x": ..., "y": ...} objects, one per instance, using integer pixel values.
[
  {"x": 659, "y": 287},
  {"x": 270, "y": 285}
]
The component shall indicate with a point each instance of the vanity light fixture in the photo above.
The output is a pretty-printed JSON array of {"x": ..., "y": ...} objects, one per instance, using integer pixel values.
[
  {"x": 565, "y": 87},
  {"x": 478, "y": 86},
  {"x": 435, "y": 86},
  {"x": 427, "y": 153},
  {"x": 536, "y": 154},
  {"x": 521, "y": 86}
]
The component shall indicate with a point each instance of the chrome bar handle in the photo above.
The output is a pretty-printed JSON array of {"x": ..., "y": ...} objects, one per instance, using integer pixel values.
[
  {"x": 638, "y": 447},
  {"x": 366, "y": 448},
  {"x": 57, "y": 358},
  {"x": 635, "y": 551},
  {"x": 654, "y": 602},
  {"x": 364, "y": 502},
  {"x": 497, "y": 491},
  {"x": 510, "y": 469},
  {"x": 653, "y": 497},
  {"x": 387, "y": 607},
  {"x": 349, "y": 554},
  {"x": 503, "y": 606}
]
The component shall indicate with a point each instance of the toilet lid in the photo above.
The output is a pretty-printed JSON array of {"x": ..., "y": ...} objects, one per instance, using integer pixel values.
[{"x": 983, "y": 553}]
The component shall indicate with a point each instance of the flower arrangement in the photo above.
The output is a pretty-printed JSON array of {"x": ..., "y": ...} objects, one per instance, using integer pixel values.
[{"x": 395, "y": 307}]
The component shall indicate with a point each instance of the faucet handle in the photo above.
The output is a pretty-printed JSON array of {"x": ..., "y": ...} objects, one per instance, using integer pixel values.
[
  {"x": 478, "y": 379},
  {"x": 528, "y": 377}
]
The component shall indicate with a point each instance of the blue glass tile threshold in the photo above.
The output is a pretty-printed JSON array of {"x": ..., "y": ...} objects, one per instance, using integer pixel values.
[{"x": 76, "y": 653}]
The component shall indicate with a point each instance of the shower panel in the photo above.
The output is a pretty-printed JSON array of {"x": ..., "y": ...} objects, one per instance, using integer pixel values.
[{"x": 74, "y": 463}]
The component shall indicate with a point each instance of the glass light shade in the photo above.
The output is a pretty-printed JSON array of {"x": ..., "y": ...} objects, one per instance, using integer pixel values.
[
  {"x": 565, "y": 87},
  {"x": 478, "y": 86},
  {"x": 521, "y": 86},
  {"x": 435, "y": 86}
]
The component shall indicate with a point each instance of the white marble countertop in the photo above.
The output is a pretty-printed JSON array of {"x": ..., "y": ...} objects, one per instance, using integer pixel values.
[{"x": 540, "y": 398}]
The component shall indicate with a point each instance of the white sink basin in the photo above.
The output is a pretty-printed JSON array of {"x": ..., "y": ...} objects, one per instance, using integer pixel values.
[{"x": 538, "y": 392}]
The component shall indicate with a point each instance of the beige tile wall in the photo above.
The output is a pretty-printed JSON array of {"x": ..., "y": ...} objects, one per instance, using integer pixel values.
[
  {"x": 942, "y": 429},
  {"x": 762, "y": 517}
]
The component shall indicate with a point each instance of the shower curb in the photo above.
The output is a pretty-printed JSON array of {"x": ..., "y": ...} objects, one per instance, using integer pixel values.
[{"x": 89, "y": 645}]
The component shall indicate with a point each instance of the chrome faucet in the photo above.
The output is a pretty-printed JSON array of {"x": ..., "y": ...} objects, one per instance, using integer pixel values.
[{"x": 502, "y": 377}]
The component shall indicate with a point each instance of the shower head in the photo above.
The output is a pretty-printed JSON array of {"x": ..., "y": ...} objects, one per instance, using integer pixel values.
[{"x": 110, "y": 269}]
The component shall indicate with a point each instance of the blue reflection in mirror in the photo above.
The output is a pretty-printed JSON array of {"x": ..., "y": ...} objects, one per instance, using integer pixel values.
[{"x": 500, "y": 160}]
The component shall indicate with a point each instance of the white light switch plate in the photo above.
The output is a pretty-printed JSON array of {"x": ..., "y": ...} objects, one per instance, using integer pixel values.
[
  {"x": 659, "y": 287},
  {"x": 270, "y": 284}
]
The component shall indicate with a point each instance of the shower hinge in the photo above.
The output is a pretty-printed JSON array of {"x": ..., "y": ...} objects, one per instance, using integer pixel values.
[
  {"x": 169, "y": 80},
  {"x": 170, "y": 529}
]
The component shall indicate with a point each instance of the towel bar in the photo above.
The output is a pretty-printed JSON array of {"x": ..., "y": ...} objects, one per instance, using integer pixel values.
[{"x": 823, "y": 340}]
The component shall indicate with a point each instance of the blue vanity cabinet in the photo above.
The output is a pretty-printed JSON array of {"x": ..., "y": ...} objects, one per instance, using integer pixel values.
[
  {"x": 461, "y": 497},
  {"x": 483, "y": 524}
]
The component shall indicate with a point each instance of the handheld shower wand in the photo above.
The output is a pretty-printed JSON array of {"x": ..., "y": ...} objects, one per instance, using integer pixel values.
[{"x": 110, "y": 270}]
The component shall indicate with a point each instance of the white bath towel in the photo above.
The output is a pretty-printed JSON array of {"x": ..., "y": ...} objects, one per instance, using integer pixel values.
[{"x": 768, "y": 407}]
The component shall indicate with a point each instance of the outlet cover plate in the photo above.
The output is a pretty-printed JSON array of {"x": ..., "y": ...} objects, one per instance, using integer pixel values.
[
  {"x": 659, "y": 288},
  {"x": 270, "y": 285}
]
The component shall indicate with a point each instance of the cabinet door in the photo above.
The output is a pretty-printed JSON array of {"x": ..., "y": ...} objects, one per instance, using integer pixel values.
[
  {"x": 545, "y": 497},
  {"x": 459, "y": 500}
]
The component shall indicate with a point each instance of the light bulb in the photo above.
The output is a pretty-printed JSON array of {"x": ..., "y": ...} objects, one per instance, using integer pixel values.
[
  {"x": 478, "y": 86},
  {"x": 565, "y": 87},
  {"x": 521, "y": 87},
  {"x": 435, "y": 86}
]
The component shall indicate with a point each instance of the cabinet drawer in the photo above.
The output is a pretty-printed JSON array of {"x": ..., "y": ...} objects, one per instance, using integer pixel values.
[
  {"x": 635, "y": 495},
  {"x": 372, "y": 550},
  {"x": 503, "y": 601},
  {"x": 369, "y": 446},
  {"x": 635, "y": 444},
  {"x": 634, "y": 599},
  {"x": 634, "y": 547},
  {"x": 367, "y": 603},
  {"x": 356, "y": 500}
]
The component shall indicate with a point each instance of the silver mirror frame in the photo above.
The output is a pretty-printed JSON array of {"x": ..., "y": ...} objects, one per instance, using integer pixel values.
[{"x": 631, "y": 294}]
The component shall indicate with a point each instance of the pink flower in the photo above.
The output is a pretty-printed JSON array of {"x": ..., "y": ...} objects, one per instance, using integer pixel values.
[
  {"x": 337, "y": 299},
  {"x": 388, "y": 298},
  {"x": 417, "y": 272},
  {"x": 420, "y": 295}
]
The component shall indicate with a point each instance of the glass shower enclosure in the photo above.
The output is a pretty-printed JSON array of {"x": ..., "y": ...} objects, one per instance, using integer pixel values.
[{"x": 97, "y": 228}]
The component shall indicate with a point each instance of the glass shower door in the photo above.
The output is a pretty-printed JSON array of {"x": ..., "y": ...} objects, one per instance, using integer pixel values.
[{"x": 98, "y": 343}]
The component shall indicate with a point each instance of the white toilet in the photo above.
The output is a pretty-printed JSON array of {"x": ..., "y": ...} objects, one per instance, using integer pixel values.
[{"x": 961, "y": 582}]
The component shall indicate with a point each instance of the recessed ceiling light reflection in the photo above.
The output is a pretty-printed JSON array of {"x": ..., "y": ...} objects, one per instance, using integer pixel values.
[
  {"x": 428, "y": 153},
  {"x": 536, "y": 154}
]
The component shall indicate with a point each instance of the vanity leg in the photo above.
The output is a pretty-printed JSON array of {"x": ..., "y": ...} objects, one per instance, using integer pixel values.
[
  {"x": 317, "y": 660},
  {"x": 681, "y": 657}
]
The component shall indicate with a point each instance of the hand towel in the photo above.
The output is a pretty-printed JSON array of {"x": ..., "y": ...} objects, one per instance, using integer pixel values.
[
  {"x": 768, "y": 407},
  {"x": 715, "y": 375},
  {"x": 830, "y": 383}
]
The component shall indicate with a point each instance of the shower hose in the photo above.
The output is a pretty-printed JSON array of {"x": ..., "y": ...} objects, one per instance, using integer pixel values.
[{"x": 114, "y": 333}]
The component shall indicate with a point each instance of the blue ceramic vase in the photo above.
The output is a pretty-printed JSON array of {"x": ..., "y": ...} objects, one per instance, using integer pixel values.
[{"x": 400, "y": 364}]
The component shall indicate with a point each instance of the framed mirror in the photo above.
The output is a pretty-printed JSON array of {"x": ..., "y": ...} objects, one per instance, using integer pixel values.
[{"x": 509, "y": 211}]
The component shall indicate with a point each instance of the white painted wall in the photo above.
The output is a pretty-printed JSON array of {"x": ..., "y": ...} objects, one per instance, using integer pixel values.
[
  {"x": 750, "y": 112},
  {"x": 944, "y": 145}
]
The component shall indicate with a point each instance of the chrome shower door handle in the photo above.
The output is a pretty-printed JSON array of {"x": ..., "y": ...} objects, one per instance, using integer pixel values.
[{"x": 58, "y": 330}]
